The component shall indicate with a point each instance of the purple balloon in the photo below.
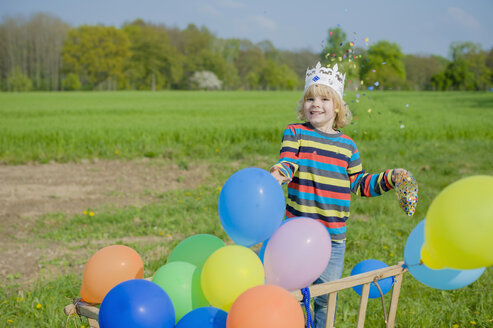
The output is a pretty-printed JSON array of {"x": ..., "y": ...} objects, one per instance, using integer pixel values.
[{"x": 297, "y": 254}]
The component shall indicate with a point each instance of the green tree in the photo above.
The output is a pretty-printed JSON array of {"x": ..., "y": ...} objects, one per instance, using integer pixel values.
[
  {"x": 420, "y": 69},
  {"x": 273, "y": 76},
  {"x": 289, "y": 79},
  {"x": 34, "y": 45},
  {"x": 468, "y": 69},
  {"x": 154, "y": 63},
  {"x": 253, "y": 80},
  {"x": 229, "y": 49},
  {"x": 299, "y": 61},
  {"x": 250, "y": 63},
  {"x": 97, "y": 54},
  {"x": 71, "y": 82},
  {"x": 339, "y": 51},
  {"x": 200, "y": 52},
  {"x": 489, "y": 65},
  {"x": 383, "y": 66},
  {"x": 17, "y": 81},
  {"x": 336, "y": 46}
]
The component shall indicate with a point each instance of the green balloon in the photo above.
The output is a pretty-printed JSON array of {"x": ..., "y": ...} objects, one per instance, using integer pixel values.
[
  {"x": 195, "y": 249},
  {"x": 181, "y": 281}
]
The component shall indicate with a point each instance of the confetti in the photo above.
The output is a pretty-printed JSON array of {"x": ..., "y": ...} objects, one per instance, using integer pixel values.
[
  {"x": 402, "y": 126},
  {"x": 406, "y": 189},
  {"x": 357, "y": 95},
  {"x": 407, "y": 105},
  {"x": 376, "y": 84},
  {"x": 370, "y": 88},
  {"x": 367, "y": 39},
  {"x": 369, "y": 110},
  {"x": 373, "y": 70},
  {"x": 383, "y": 63}
]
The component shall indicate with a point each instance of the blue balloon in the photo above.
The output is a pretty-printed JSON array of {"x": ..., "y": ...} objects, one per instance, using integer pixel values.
[
  {"x": 204, "y": 317},
  {"x": 251, "y": 206},
  {"x": 136, "y": 303},
  {"x": 370, "y": 265},
  {"x": 445, "y": 279}
]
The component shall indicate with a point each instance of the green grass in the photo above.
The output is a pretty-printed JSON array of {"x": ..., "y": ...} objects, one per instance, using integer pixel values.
[
  {"x": 439, "y": 137},
  {"x": 71, "y": 126}
]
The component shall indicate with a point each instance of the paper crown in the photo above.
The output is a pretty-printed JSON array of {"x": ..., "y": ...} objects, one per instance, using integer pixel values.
[{"x": 330, "y": 77}]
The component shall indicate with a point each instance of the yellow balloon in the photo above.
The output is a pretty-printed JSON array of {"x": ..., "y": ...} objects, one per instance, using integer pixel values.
[
  {"x": 459, "y": 226},
  {"x": 228, "y": 272}
]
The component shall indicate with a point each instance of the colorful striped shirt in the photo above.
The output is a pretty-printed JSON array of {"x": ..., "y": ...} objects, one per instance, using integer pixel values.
[{"x": 324, "y": 169}]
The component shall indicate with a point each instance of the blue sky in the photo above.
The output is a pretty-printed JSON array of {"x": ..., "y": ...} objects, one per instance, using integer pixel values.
[{"x": 419, "y": 26}]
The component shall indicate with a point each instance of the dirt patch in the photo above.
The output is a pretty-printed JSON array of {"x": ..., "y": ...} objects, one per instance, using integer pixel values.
[{"x": 29, "y": 191}]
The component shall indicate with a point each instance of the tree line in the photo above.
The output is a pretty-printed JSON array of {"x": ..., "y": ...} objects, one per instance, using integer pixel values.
[{"x": 45, "y": 53}]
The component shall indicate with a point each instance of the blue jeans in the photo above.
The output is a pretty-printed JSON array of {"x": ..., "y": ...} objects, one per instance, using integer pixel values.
[{"x": 333, "y": 271}]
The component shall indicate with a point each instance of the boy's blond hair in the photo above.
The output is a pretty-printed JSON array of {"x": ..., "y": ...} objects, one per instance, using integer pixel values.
[{"x": 343, "y": 114}]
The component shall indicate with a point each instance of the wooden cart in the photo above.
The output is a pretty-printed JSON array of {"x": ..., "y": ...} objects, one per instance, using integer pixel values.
[{"x": 331, "y": 288}]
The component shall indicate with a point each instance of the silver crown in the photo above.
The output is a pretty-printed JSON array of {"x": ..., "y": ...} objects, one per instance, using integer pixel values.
[{"x": 327, "y": 76}]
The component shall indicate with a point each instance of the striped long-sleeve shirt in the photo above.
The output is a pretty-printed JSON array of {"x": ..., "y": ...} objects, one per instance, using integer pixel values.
[{"x": 324, "y": 169}]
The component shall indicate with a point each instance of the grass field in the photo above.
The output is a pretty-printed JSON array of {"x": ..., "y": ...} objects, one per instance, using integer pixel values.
[{"x": 439, "y": 137}]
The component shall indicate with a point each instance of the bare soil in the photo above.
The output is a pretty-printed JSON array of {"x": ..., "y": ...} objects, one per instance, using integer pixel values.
[{"x": 30, "y": 191}]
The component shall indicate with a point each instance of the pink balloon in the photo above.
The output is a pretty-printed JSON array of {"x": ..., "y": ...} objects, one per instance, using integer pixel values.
[{"x": 297, "y": 254}]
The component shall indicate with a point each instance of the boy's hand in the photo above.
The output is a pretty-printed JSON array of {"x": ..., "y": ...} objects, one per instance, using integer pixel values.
[
  {"x": 278, "y": 176},
  {"x": 396, "y": 173}
]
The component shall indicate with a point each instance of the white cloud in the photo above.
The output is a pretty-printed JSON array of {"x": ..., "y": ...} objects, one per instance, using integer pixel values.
[
  {"x": 230, "y": 4},
  {"x": 463, "y": 18},
  {"x": 209, "y": 10},
  {"x": 264, "y": 22}
]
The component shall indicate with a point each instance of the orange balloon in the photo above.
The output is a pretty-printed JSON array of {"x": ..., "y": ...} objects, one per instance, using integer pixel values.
[
  {"x": 265, "y": 306},
  {"x": 107, "y": 268}
]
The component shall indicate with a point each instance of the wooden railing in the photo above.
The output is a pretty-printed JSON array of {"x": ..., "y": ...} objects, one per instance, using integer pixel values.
[
  {"x": 331, "y": 288},
  {"x": 365, "y": 279}
]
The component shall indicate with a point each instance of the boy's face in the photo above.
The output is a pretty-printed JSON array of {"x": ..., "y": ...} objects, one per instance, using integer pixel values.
[{"x": 319, "y": 111}]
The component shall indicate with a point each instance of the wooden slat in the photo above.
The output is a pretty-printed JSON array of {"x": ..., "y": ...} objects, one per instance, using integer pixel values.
[
  {"x": 348, "y": 282},
  {"x": 362, "y": 305},
  {"x": 396, "y": 289},
  {"x": 93, "y": 323},
  {"x": 331, "y": 310},
  {"x": 84, "y": 309}
]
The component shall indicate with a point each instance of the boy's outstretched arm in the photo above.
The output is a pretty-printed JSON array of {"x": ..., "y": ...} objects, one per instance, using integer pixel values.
[{"x": 371, "y": 185}]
